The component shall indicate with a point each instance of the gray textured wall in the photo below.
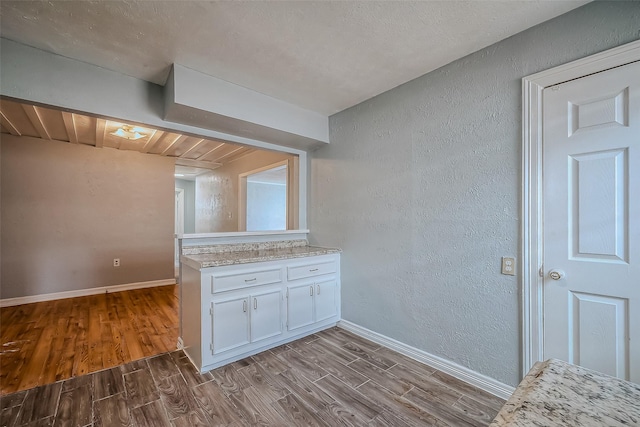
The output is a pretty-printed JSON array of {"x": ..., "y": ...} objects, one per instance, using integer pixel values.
[
  {"x": 189, "y": 188},
  {"x": 421, "y": 188},
  {"x": 68, "y": 210}
]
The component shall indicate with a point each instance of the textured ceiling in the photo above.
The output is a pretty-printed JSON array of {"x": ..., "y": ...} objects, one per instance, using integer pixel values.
[{"x": 323, "y": 56}]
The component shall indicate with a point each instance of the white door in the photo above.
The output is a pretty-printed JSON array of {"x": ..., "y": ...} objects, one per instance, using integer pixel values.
[
  {"x": 591, "y": 221},
  {"x": 230, "y": 323},
  {"x": 326, "y": 306},
  {"x": 300, "y": 306},
  {"x": 266, "y": 315}
]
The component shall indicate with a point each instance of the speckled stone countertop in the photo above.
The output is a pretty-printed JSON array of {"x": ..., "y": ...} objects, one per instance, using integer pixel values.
[
  {"x": 216, "y": 257},
  {"x": 556, "y": 393},
  {"x": 243, "y": 247}
]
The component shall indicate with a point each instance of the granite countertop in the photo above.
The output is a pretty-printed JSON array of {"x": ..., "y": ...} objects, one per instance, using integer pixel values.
[
  {"x": 556, "y": 393},
  {"x": 204, "y": 260}
]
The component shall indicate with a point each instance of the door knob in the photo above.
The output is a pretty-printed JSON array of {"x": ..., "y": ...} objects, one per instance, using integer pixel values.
[{"x": 556, "y": 274}]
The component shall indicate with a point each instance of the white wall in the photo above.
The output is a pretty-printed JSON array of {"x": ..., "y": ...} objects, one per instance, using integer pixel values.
[
  {"x": 266, "y": 206},
  {"x": 189, "y": 188},
  {"x": 421, "y": 188}
]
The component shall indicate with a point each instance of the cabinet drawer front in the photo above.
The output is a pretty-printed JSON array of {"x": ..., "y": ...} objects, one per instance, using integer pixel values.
[
  {"x": 311, "y": 270},
  {"x": 228, "y": 282}
]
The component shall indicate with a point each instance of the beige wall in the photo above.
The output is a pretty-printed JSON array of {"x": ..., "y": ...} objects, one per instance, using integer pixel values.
[
  {"x": 217, "y": 191},
  {"x": 68, "y": 210}
]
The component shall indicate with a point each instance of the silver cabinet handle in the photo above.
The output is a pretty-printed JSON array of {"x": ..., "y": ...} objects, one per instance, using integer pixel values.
[
  {"x": 250, "y": 280},
  {"x": 318, "y": 292},
  {"x": 255, "y": 303},
  {"x": 244, "y": 306},
  {"x": 556, "y": 274},
  {"x": 312, "y": 270},
  {"x": 311, "y": 290}
]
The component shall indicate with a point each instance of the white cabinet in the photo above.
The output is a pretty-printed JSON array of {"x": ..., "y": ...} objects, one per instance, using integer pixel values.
[
  {"x": 326, "y": 299},
  {"x": 238, "y": 321},
  {"x": 312, "y": 291},
  {"x": 230, "y": 323},
  {"x": 231, "y": 312},
  {"x": 299, "y": 306},
  {"x": 266, "y": 315},
  {"x": 311, "y": 302}
]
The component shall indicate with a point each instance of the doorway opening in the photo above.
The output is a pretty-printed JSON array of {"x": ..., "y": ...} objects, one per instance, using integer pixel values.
[
  {"x": 179, "y": 224},
  {"x": 533, "y": 270},
  {"x": 263, "y": 198}
]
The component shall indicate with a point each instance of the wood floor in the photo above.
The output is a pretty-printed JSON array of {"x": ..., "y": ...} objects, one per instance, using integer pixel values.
[
  {"x": 328, "y": 379},
  {"x": 50, "y": 341}
]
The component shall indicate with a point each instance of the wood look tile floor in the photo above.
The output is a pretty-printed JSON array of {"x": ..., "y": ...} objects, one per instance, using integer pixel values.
[
  {"x": 331, "y": 378},
  {"x": 50, "y": 341}
]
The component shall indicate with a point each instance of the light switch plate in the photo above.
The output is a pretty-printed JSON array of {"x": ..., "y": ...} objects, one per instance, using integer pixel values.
[{"x": 508, "y": 266}]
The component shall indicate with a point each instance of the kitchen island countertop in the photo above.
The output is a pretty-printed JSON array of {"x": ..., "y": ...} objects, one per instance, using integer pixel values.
[{"x": 556, "y": 393}]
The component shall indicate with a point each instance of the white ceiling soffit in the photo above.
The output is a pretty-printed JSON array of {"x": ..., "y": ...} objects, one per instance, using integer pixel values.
[
  {"x": 200, "y": 100},
  {"x": 321, "y": 56}
]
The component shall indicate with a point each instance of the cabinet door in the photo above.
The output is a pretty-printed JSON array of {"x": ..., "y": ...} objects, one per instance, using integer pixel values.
[
  {"x": 266, "y": 315},
  {"x": 300, "y": 306},
  {"x": 326, "y": 304},
  {"x": 230, "y": 323}
]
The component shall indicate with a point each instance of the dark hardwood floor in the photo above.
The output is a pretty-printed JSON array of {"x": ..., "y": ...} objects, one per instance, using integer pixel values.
[
  {"x": 50, "y": 341},
  {"x": 328, "y": 379}
]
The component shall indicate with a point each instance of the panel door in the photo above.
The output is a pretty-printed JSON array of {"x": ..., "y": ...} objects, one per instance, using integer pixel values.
[
  {"x": 326, "y": 301},
  {"x": 300, "y": 306},
  {"x": 591, "y": 222},
  {"x": 230, "y": 323},
  {"x": 266, "y": 315}
]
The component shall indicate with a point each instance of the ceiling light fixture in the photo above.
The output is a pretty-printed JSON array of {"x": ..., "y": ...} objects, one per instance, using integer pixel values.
[
  {"x": 129, "y": 132},
  {"x": 178, "y": 174}
]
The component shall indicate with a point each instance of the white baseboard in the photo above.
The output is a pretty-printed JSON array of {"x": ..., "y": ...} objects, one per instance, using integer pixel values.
[
  {"x": 458, "y": 371},
  {"x": 7, "y": 302}
]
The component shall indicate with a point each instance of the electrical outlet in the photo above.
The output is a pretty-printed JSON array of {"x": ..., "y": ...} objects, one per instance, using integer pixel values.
[
  {"x": 508, "y": 266},
  {"x": 116, "y": 262}
]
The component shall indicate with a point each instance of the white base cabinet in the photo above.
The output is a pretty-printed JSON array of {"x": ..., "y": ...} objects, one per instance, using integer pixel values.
[
  {"x": 232, "y": 312},
  {"x": 237, "y": 321},
  {"x": 311, "y": 302}
]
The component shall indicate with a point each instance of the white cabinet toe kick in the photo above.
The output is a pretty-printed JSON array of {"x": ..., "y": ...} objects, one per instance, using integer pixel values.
[{"x": 235, "y": 311}]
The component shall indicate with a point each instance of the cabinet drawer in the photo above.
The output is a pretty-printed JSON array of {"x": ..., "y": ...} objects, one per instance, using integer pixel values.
[
  {"x": 226, "y": 282},
  {"x": 311, "y": 270}
]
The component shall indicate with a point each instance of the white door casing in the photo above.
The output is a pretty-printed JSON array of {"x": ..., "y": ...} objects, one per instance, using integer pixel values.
[
  {"x": 591, "y": 222},
  {"x": 532, "y": 238},
  {"x": 179, "y": 221}
]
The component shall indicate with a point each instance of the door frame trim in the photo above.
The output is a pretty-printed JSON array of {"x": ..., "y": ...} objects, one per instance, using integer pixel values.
[{"x": 531, "y": 229}]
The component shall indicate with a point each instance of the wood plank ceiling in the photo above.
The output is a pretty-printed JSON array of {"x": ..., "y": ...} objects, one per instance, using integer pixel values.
[{"x": 51, "y": 124}]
